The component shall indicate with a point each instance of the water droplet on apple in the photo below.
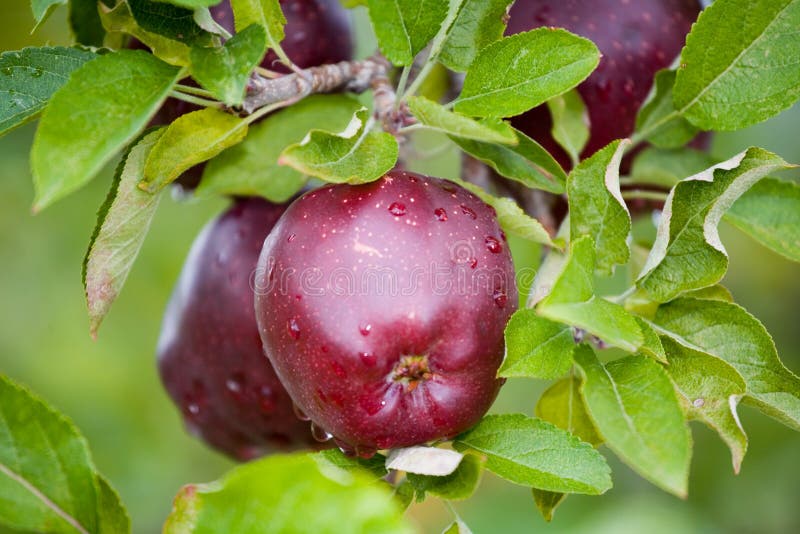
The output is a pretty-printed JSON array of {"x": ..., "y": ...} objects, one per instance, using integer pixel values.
[
  {"x": 500, "y": 298},
  {"x": 294, "y": 328},
  {"x": 368, "y": 358},
  {"x": 266, "y": 399},
  {"x": 493, "y": 245},
  {"x": 365, "y": 329},
  {"x": 466, "y": 210},
  {"x": 235, "y": 384},
  {"x": 319, "y": 433},
  {"x": 441, "y": 214},
  {"x": 397, "y": 209},
  {"x": 300, "y": 414}
]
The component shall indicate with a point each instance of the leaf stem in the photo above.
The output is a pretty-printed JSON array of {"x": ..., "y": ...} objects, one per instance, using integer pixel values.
[
  {"x": 644, "y": 194},
  {"x": 196, "y": 100},
  {"x": 401, "y": 85},
  {"x": 197, "y": 91},
  {"x": 436, "y": 48}
]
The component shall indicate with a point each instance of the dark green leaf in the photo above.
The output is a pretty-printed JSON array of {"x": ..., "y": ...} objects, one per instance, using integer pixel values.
[
  {"x": 477, "y": 24},
  {"x": 225, "y": 70},
  {"x": 596, "y": 207},
  {"x": 535, "y": 453},
  {"x": 688, "y": 253},
  {"x": 547, "y": 502},
  {"x": 536, "y": 347},
  {"x": 375, "y": 465},
  {"x": 516, "y": 73},
  {"x": 112, "y": 518},
  {"x": 84, "y": 20},
  {"x": 174, "y": 22},
  {"x": 770, "y": 213},
  {"x": 728, "y": 332},
  {"x": 29, "y": 78},
  {"x": 287, "y": 493},
  {"x": 527, "y": 162},
  {"x": 739, "y": 66},
  {"x": 193, "y": 138},
  {"x": 122, "y": 225},
  {"x": 116, "y": 95},
  {"x": 635, "y": 408}
]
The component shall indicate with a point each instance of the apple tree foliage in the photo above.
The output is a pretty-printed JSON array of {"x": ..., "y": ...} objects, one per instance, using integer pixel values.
[{"x": 683, "y": 350}]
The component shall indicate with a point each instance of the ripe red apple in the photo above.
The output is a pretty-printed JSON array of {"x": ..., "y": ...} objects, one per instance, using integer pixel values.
[
  {"x": 317, "y": 32},
  {"x": 382, "y": 308},
  {"x": 209, "y": 354},
  {"x": 637, "y": 39}
]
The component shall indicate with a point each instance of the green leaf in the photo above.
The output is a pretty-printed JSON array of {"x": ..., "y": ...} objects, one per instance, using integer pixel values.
[
  {"x": 122, "y": 224},
  {"x": 356, "y": 155},
  {"x": 43, "y": 8},
  {"x": 120, "y": 20},
  {"x": 405, "y": 27},
  {"x": 287, "y": 493},
  {"x": 570, "y": 123},
  {"x": 265, "y": 13},
  {"x": 715, "y": 292},
  {"x": 770, "y": 213},
  {"x": 191, "y": 139},
  {"x": 739, "y": 66},
  {"x": 635, "y": 408},
  {"x": 436, "y": 117},
  {"x": 572, "y": 301},
  {"x": 225, "y": 70},
  {"x": 251, "y": 167},
  {"x": 688, "y": 253},
  {"x": 424, "y": 460},
  {"x": 336, "y": 458},
  {"x": 29, "y": 77},
  {"x": 562, "y": 405},
  {"x": 47, "y": 480},
  {"x": 191, "y": 3},
  {"x": 477, "y": 24},
  {"x": 596, "y": 207},
  {"x": 517, "y": 73},
  {"x": 174, "y": 22},
  {"x": 536, "y": 347},
  {"x": 547, "y": 502},
  {"x": 535, "y": 453},
  {"x": 116, "y": 94},
  {"x": 510, "y": 216},
  {"x": 457, "y": 486},
  {"x": 710, "y": 390},
  {"x": 527, "y": 162},
  {"x": 658, "y": 121},
  {"x": 85, "y": 23},
  {"x": 728, "y": 332},
  {"x": 665, "y": 168},
  {"x": 112, "y": 518},
  {"x": 652, "y": 344}
]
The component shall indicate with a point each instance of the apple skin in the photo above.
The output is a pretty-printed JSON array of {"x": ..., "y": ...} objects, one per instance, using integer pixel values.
[
  {"x": 209, "y": 354},
  {"x": 344, "y": 344},
  {"x": 636, "y": 39},
  {"x": 317, "y": 33}
]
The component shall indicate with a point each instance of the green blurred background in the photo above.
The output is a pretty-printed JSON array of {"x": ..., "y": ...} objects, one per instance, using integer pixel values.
[{"x": 110, "y": 387}]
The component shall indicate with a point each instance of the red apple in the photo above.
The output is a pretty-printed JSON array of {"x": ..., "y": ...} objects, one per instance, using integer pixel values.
[
  {"x": 637, "y": 39},
  {"x": 382, "y": 307},
  {"x": 210, "y": 354}
]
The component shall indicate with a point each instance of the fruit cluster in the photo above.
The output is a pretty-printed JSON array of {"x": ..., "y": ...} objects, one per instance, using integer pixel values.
[{"x": 380, "y": 307}]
